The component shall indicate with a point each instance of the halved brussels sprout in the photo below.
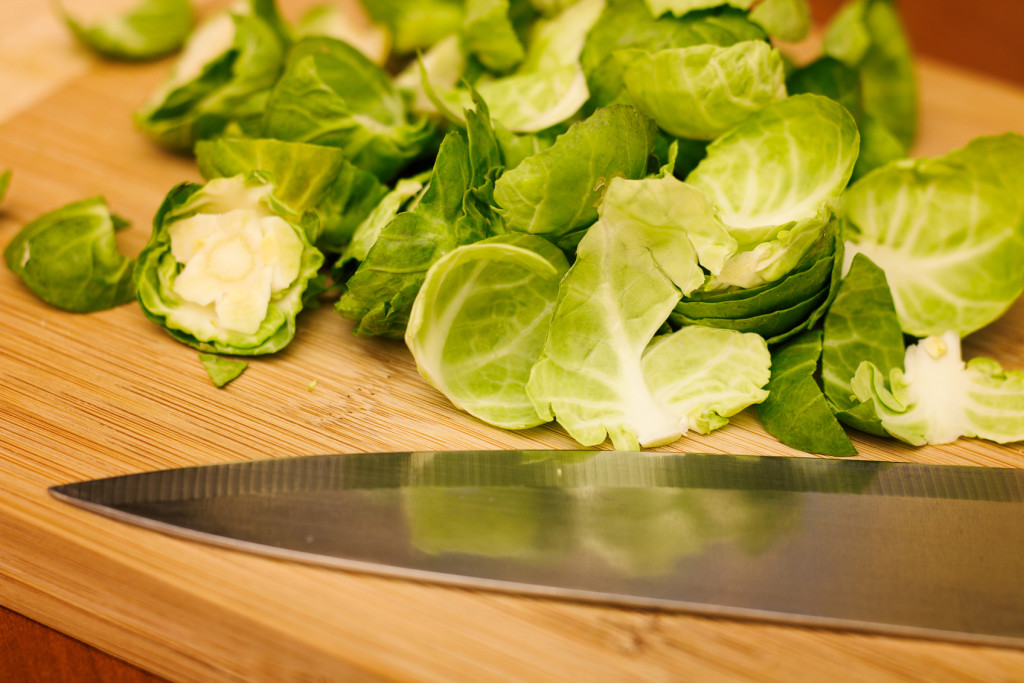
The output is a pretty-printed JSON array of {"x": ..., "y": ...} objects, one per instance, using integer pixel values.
[{"x": 226, "y": 267}]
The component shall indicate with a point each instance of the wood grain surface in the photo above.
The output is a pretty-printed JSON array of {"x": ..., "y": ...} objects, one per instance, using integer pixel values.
[{"x": 84, "y": 396}]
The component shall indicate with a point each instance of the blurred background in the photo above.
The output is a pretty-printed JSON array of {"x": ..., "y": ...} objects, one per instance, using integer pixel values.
[{"x": 982, "y": 35}]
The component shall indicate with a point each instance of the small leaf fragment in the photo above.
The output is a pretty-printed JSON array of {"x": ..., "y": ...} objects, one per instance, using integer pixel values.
[{"x": 220, "y": 369}]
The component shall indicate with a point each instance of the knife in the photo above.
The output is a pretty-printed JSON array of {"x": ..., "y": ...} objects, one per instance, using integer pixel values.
[{"x": 895, "y": 548}]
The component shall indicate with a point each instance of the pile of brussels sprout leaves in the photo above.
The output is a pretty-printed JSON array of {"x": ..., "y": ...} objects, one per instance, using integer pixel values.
[{"x": 634, "y": 217}]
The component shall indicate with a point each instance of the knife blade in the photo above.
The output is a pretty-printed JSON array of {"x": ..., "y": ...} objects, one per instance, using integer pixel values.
[{"x": 896, "y": 548}]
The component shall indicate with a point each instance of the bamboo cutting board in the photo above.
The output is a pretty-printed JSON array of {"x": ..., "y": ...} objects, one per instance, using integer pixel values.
[{"x": 85, "y": 396}]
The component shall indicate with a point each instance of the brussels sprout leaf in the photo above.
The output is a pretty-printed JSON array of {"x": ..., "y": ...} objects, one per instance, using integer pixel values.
[
  {"x": 796, "y": 412},
  {"x": 69, "y": 258},
  {"x": 454, "y": 210},
  {"x": 861, "y": 325},
  {"x": 704, "y": 91},
  {"x": 152, "y": 29},
  {"x": 947, "y": 231},
  {"x": 597, "y": 376},
  {"x": 479, "y": 321},
  {"x": 555, "y": 193}
]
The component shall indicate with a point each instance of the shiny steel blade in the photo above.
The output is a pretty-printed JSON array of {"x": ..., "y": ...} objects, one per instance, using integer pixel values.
[{"x": 898, "y": 548}]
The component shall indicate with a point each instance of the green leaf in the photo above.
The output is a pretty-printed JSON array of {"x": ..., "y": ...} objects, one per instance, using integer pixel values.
[
  {"x": 368, "y": 231},
  {"x": 69, "y": 258},
  {"x": 454, "y": 210},
  {"x": 861, "y": 325},
  {"x": 555, "y": 193},
  {"x": 441, "y": 67},
  {"x": 151, "y": 29},
  {"x": 417, "y": 24},
  {"x": 479, "y": 322},
  {"x": 878, "y": 146},
  {"x": 868, "y": 36},
  {"x": 774, "y": 179},
  {"x": 705, "y": 376},
  {"x": 682, "y": 7},
  {"x": 796, "y": 412},
  {"x": 344, "y": 23},
  {"x": 331, "y": 94},
  {"x": 488, "y": 34},
  {"x": 547, "y": 88},
  {"x": 632, "y": 266},
  {"x": 629, "y": 24},
  {"x": 301, "y": 173},
  {"x": 222, "y": 370},
  {"x": 829, "y": 77},
  {"x": 832, "y": 78},
  {"x": 221, "y": 79},
  {"x": 787, "y": 20},
  {"x": 305, "y": 177},
  {"x": 703, "y": 91},
  {"x": 948, "y": 233}
]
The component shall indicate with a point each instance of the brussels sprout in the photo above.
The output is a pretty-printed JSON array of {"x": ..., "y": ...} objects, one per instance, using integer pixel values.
[
  {"x": 152, "y": 29},
  {"x": 69, "y": 258},
  {"x": 226, "y": 267}
]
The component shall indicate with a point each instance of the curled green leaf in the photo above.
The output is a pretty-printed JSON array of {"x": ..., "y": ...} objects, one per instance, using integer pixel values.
[
  {"x": 152, "y": 29},
  {"x": 69, "y": 258}
]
